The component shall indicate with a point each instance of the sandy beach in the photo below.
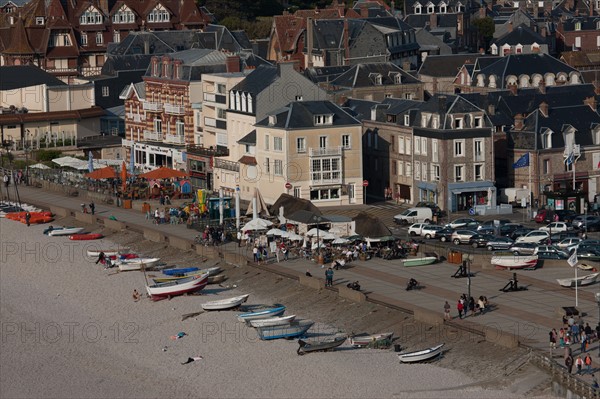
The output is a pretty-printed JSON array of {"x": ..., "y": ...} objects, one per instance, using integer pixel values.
[{"x": 71, "y": 329}]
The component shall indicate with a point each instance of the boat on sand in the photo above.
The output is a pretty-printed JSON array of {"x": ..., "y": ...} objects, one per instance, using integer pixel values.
[
  {"x": 292, "y": 330},
  {"x": 511, "y": 262},
  {"x": 225, "y": 304},
  {"x": 316, "y": 346},
  {"x": 178, "y": 287},
  {"x": 420, "y": 356},
  {"x": 579, "y": 281},
  {"x": 427, "y": 260},
  {"x": 273, "y": 321},
  {"x": 374, "y": 340},
  {"x": 262, "y": 313}
]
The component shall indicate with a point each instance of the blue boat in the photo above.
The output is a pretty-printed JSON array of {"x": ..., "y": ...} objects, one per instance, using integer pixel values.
[
  {"x": 175, "y": 272},
  {"x": 292, "y": 330},
  {"x": 262, "y": 314}
]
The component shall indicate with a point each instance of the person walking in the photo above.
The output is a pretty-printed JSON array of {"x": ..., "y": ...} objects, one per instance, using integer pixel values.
[
  {"x": 329, "y": 277},
  {"x": 285, "y": 252},
  {"x": 588, "y": 363},
  {"x": 471, "y": 306},
  {"x": 575, "y": 332},
  {"x": 553, "y": 339},
  {"x": 255, "y": 254},
  {"x": 460, "y": 307},
  {"x": 93, "y": 207},
  {"x": 28, "y": 218},
  {"x": 569, "y": 363},
  {"x": 583, "y": 342},
  {"x": 579, "y": 364},
  {"x": 447, "y": 311}
]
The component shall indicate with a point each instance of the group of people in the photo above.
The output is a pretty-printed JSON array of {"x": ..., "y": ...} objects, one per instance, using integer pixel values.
[
  {"x": 92, "y": 208},
  {"x": 278, "y": 249},
  {"x": 467, "y": 306}
]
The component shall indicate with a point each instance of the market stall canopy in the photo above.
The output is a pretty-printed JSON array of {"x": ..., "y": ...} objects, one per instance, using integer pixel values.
[
  {"x": 340, "y": 241},
  {"x": 370, "y": 227},
  {"x": 104, "y": 173},
  {"x": 80, "y": 164},
  {"x": 257, "y": 224},
  {"x": 261, "y": 205},
  {"x": 314, "y": 231},
  {"x": 275, "y": 232},
  {"x": 163, "y": 173}
]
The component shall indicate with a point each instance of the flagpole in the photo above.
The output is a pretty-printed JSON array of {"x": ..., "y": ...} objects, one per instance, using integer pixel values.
[
  {"x": 576, "y": 288},
  {"x": 529, "y": 185}
]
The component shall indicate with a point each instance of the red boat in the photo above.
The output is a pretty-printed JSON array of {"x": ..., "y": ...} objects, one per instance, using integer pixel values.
[
  {"x": 20, "y": 215},
  {"x": 37, "y": 219},
  {"x": 85, "y": 237},
  {"x": 124, "y": 256}
]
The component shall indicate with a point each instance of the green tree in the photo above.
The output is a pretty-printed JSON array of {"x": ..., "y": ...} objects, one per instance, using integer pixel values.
[
  {"x": 48, "y": 155},
  {"x": 485, "y": 31}
]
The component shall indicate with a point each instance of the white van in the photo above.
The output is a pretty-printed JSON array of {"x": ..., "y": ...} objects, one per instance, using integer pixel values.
[{"x": 414, "y": 215}]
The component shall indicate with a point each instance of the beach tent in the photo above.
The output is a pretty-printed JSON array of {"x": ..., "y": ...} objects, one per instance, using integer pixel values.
[
  {"x": 104, "y": 173},
  {"x": 275, "y": 232},
  {"x": 261, "y": 205},
  {"x": 340, "y": 241},
  {"x": 315, "y": 231},
  {"x": 163, "y": 173}
]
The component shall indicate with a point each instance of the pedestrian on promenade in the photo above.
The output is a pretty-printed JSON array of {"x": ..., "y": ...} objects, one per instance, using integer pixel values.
[
  {"x": 157, "y": 216},
  {"x": 575, "y": 332},
  {"x": 93, "y": 207},
  {"x": 471, "y": 306},
  {"x": 588, "y": 363},
  {"x": 329, "y": 277},
  {"x": 447, "y": 311},
  {"x": 277, "y": 252},
  {"x": 255, "y": 254},
  {"x": 28, "y": 218},
  {"x": 84, "y": 208},
  {"x": 239, "y": 238},
  {"x": 6, "y": 179},
  {"x": 561, "y": 337},
  {"x": 285, "y": 252},
  {"x": 460, "y": 307},
  {"x": 589, "y": 332},
  {"x": 553, "y": 338},
  {"x": 569, "y": 363},
  {"x": 481, "y": 305},
  {"x": 147, "y": 210},
  {"x": 583, "y": 342},
  {"x": 136, "y": 296},
  {"x": 579, "y": 364}
]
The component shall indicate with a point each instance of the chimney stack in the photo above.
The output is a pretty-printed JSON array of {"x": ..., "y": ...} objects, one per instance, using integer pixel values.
[
  {"x": 442, "y": 103},
  {"x": 309, "y": 42},
  {"x": 432, "y": 21},
  {"x": 346, "y": 42},
  {"x": 510, "y": 27},
  {"x": 514, "y": 90},
  {"x": 364, "y": 11},
  {"x": 591, "y": 101},
  {"x": 519, "y": 122},
  {"x": 544, "y": 108},
  {"x": 233, "y": 63}
]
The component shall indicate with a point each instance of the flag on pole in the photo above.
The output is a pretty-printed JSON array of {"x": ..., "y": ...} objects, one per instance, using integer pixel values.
[
  {"x": 570, "y": 159},
  {"x": 572, "y": 261},
  {"x": 522, "y": 162},
  {"x": 90, "y": 162}
]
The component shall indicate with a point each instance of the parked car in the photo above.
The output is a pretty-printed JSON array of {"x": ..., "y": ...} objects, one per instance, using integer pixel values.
[
  {"x": 415, "y": 229},
  {"x": 588, "y": 253},
  {"x": 552, "y": 255},
  {"x": 556, "y": 227},
  {"x": 583, "y": 220},
  {"x": 509, "y": 228},
  {"x": 534, "y": 236},
  {"x": 499, "y": 243},
  {"x": 485, "y": 230},
  {"x": 591, "y": 226},
  {"x": 445, "y": 234},
  {"x": 568, "y": 243},
  {"x": 492, "y": 223},
  {"x": 591, "y": 244},
  {"x": 462, "y": 236},
  {"x": 480, "y": 240},
  {"x": 430, "y": 230},
  {"x": 524, "y": 248},
  {"x": 520, "y": 232},
  {"x": 414, "y": 215},
  {"x": 566, "y": 215},
  {"x": 553, "y": 249},
  {"x": 461, "y": 222},
  {"x": 541, "y": 215}
]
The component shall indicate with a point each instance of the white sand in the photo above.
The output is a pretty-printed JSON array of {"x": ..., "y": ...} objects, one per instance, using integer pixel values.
[{"x": 71, "y": 329}]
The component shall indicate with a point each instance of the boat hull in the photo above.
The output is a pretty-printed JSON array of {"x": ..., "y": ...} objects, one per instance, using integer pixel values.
[
  {"x": 580, "y": 282},
  {"x": 136, "y": 264},
  {"x": 420, "y": 356},
  {"x": 293, "y": 330},
  {"x": 362, "y": 341},
  {"x": 514, "y": 262},
  {"x": 216, "y": 279},
  {"x": 272, "y": 321},
  {"x": 317, "y": 346},
  {"x": 174, "y": 288},
  {"x": 65, "y": 231},
  {"x": 180, "y": 272},
  {"x": 85, "y": 237},
  {"x": 95, "y": 253},
  {"x": 419, "y": 261},
  {"x": 262, "y": 314},
  {"x": 225, "y": 304}
]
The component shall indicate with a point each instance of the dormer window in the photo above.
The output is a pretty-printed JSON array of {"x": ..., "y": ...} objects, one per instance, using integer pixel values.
[
  {"x": 418, "y": 8},
  {"x": 116, "y": 36},
  {"x": 323, "y": 119},
  {"x": 272, "y": 120},
  {"x": 478, "y": 122},
  {"x": 578, "y": 25},
  {"x": 91, "y": 16},
  {"x": 99, "y": 38},
  {"x": 547, "y": 139},
  {"x": 460, "y": 7},
  {"x": 519, "y": 49},
  {"x": 430, "y": 8},
  {"x": 40, "y": 20},
  {"x": 406, "y": 120},
  {"x": 84, "y": 40},
  {"x": 435, "y": 122},
  {"x": 124, "y": 16},
  {"x": 376, "y": 78},
  {"x": 443, "y": 8},
  {"x": 397, "y": 78},
  {"x": 458, "y": 123},
  {"x": 159, "y": 14}
]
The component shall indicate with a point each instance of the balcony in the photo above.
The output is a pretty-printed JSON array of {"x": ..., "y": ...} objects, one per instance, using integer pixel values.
[
  {"x": 326, "y": 181},
  {"x": 215, "y": 98},
  {"x": 138, "y": 118},
  {"x": 227, "y": 165},
  {"x": 200, "y": 150},
  {"x": 150, "y": 106},
  {"x": 325, "y": 152},
  {"x": 216, "y": 123},
  {"x": 174, "y": 109},
  {"x": 153, "y": 136},
  {"x": 175, "y": 139}
]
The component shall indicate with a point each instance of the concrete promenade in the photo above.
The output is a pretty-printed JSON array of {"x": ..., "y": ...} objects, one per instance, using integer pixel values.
[{"x": 514, "y": 318}]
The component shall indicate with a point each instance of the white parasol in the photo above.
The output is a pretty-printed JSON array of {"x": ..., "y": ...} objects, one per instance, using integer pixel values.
[
  {"x": 257, "y": 224},
  {"x": 275, "y": 232}
]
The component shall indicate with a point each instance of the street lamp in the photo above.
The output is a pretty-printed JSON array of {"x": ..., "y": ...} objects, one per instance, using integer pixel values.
[{"x": 598, "y": 302}]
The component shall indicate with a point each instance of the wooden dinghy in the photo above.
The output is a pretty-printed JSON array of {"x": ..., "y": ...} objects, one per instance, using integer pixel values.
[
  {"x": 64, "y": 231},
  {"x": 420, "y": 356},
  {"x": 291, "y": 330},
  {"x": 317, "y": 346},
  {"x": 225, "y": 304},
  {"x": 374, "y": 340},
  {"x": 262, "y": 313},
  {"x": 427, "y": 260},
  {"x": 178, "y": 287},
  {"x": 85, "y": 237},
  {"x": 273, "y": 321},
  {"x": 514, "y": 262}
]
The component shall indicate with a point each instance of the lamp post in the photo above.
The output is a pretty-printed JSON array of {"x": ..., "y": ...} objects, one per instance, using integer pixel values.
[{"x": 598, "y": 302}]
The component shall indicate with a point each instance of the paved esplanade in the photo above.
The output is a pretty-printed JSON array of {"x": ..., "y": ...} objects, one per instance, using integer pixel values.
[{"x": 529, "y": 314}]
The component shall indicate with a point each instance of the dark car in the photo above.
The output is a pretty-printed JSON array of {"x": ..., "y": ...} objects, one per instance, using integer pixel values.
[
  {"x": 480, "y": 240},
  {"x": 433, "y": 206},
  {"x": 491, "y": 223},
  {"x": 558, "y": 237},
  {"x": 552, "y": 255},
  {"x": 509, "y": 228},
  {"x": 487, "y": 230},
  {"x": 588, "y": 253},
  {"x": 591, "y": 226},
  {"x": 445, "y": 234},
  {"x": 523, "y": 231},
  {"x": 499, "y": 243},
  {"x": 589, "y": 244},
  {"x": 566, "y": 215}
]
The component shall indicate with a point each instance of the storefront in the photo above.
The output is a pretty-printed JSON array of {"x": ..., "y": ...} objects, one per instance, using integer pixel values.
[
  {"x": 464, "y": 196},
  {"x": 149, "y": 157},
  {"x": 573, "y": 201},
  {"x": 427, "y": 192}
]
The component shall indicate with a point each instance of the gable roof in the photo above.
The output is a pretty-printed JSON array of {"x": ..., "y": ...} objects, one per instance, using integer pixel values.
[
  {"x": 17, "y": 77},
  {"x": 370, "y": 226},
  {"x": 249, "y": 139},
  {"x": 521, "y": 35},
  {"x": 362, "y": 75},
  {"x": 446, "y": 65},
  {"x": 258, "y": 80},
  {"x": 325, "y": 74},
  {"x": 301, "y": 115}
]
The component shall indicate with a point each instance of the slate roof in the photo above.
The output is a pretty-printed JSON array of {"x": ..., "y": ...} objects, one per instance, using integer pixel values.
[
  {"x": 249, "y": 139},
  {"x": 524, "y": 64},
  {"x": 17, "y": 77},
  {"x": 521, "y": 35},
  {"x": 328, "y": 33},
  {"x": 325, "y": 74},
  {"x": 444, "y": 104},
  {"x": 258, "y": 80},
  {"x": 117, "y": 63},
  {"x": 581, "y": 58},
  {"x": 587, "y": 23},
  {"x": 557, "y": 120},
  {"x": 429, "y": 42},
  {"x": 300, "y": 115},
  {"x": 446, "y": 65},
  {"x": 362, "y": 75},
  {"x": 359, "y": 109},
  {"x": 18, "y": 3},
  {"x": 370, "y": 226}
]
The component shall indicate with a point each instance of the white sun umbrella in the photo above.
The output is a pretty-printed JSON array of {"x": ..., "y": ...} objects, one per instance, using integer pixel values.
[
  {"x": 295, "y": 237},
  {"x": 340, "y": 241},
  {"x": 313, "y": 232},
  {"x": 315, "y": 245},
  {"x": 39, "y": 166},
  {"x": 257, "y": 224},
  {"x": 328, "y": 236},
  {"x": 275, "y": 232},
  {"x": 284, "y": 234}
]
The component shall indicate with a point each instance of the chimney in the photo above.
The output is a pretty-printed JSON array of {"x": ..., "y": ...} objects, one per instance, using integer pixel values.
[
  {"x": 591, "y": 101},
  {"x": 309, "y": 42},
  {"x": 491, "y": 109},
  {"x": 542, "y": 86},
  {"x": 548, "y": 7},
  {"x": 442, "y": 103},
  {"x": 346, "y": 42},
  {"x": 514, "y": 90},
  {"x": 432, "y": 21},
  {"x": 544, "y": 108},
  {"x": 364, "y": 11},
  {"x": 233, "y": 63},
  {"x": 519, "y": 122},
  {"x": 510, "y": 27}
]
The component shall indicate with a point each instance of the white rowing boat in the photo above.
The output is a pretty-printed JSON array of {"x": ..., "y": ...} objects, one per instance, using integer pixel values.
[
  {"x": 514, "y": 261},
  {"x": 272, "y": 321},
  {"x": 64, "y": 231},
  {"x": 224, "y": 304},
  {"x": 136, "y": 263},
  {"x": 579, "y": 281},
  {"x": 178, "y": 287},
  {"x": 420, "y": 356},
  {"x": 92, "y": 253}
]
